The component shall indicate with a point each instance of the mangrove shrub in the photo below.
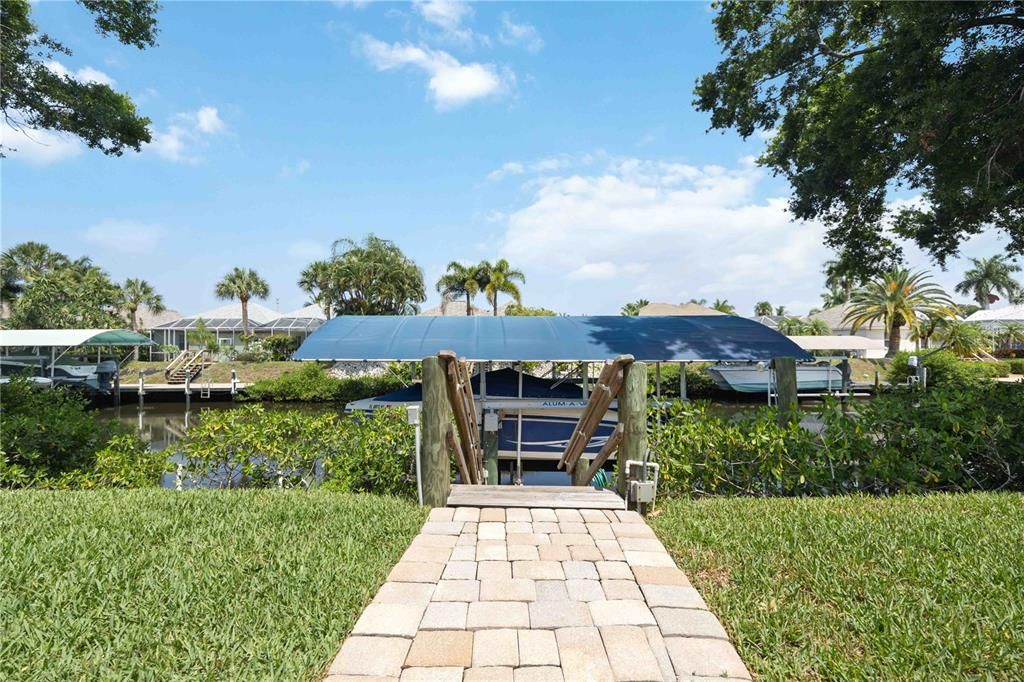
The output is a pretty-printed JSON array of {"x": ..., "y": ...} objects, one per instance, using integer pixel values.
[{"x": 961, "y": 437}]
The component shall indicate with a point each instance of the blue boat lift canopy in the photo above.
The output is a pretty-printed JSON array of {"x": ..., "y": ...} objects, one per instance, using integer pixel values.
[{"x": 677, "y": 338}]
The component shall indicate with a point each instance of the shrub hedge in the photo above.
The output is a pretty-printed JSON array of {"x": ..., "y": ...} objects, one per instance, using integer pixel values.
[
  {"x": 49, "y": 439},
  {"x": 259, "y": 448},
  {"x": 955, "y": 437},
  {"x": 311, "y": 383},
  {"x": 945, "y": 368}
]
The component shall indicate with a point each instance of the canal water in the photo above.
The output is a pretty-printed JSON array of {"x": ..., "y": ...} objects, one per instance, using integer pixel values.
[{"x": 162, "y": 425}]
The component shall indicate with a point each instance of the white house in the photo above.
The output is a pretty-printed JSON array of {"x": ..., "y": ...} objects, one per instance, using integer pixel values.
[{"x": 834, "y": 318}]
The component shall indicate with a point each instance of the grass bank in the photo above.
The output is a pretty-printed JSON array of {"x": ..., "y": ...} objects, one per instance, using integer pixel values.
[
  {"x": 217, "y": 373},
  {"x": 858, "y": 588},
  {"x": 153, "y": 584}
]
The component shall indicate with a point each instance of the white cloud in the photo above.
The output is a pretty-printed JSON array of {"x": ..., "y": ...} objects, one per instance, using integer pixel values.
[
  {"x": 86, "y": 74},
  {"x": 447, "y": 15},
  {"x": 37, "y": 147},
  {"x": 307, "y": 250},
  {"x": 495, "y": 217},
  {"x": 296, "y": 169},
  {"x": 182, "y": 140},
  {"x": 208, "y": 121},
  {"x": 600, "y": 270},
  {"x": 507, "y": 168},
  {"x": 524, "y": 34},
  {"x": 451, "y": 83},
  {"x": 125, "y": 237},
  {"x": 666, "y": 230}
]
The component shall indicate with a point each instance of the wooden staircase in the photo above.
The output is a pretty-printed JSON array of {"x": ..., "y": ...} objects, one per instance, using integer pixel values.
[{"x": 186, "y": 366}]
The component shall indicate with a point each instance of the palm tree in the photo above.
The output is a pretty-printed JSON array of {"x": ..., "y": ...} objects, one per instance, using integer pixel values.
[
  {"x": 1011, "y": 334},
  {"x": 499, "y": 278},
  {"x": 896, "y": 298},
  {"x": 791, "y": 326},
  {"x": 763, "y": 309},
  {"x": 242, "y": 284},
  {"x": 839, "y": 282},
  {"x": 139, "y": 292},
  {"x": 722, "y": 305},
  {"x": 460, "y": 280},
  {"x": 316, "y": 281},
  {"x": 963, "y": 338},
  {"x": 633, "y": 309},
  {"x": 987, "y": 276},
  {"x": 931, "y": 326},
  {"x": 699, "y": 301},
  {"x": 817, "y": 327},
  {"x": 781, "y": 310}
]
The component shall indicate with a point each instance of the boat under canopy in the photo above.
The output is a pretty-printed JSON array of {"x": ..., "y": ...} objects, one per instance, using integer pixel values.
[{"x": 550, "y": 410}]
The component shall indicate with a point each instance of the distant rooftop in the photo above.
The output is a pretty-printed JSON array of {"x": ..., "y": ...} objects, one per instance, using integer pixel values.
[
  {"x": 1010, "y": 313},
  {"x": 661, "y": 309}
]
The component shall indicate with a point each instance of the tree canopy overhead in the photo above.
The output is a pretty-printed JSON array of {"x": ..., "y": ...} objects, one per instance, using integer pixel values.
[
  {"x": 866, "y": 98},
  {"x": 34, "y": 95}
]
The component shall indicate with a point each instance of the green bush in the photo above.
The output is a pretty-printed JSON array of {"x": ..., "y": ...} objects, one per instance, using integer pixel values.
[
  {"x": 280, "y": 346},
  {"x": 1016, "y": 366},
  {"x": 48, "y": 438},
  {"x": 944, "y": 368},
  {"x": 699, "y": 383},
  {"x": 310, "y": 383},
  {"x": 957, "y": 437},
  {"x": 256, "y": 447}
]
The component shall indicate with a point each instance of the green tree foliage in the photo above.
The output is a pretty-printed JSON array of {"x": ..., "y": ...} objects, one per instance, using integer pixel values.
[
  {"x": 519, "y": 310},
  {"x": 310, "y": 383},
  {"x": 865, "y": 97},
  {"x": 374, "y": 278},
  {"x": 965, "y": 339},
  {"x": 260, "y": 448},
  {"x": 201, "y": 336},
  {"x": 139, "y": 292},
  {"x": 633, "y": 308},
  {"x": 945, "y": 368},
  {"x": 963, "y": 436},
  {"x": 723, "y": 306},
  {"x": 460, "y": 281},
  {"x": 71, "y": 294},
  {"x": 34, "y": 96},
  {"x": 987, "y": 277},
  {"x": 763, "y": 309},
  {"x": 794, "y": 326},
  {"x": 1011, "y": 333},
  {"x": 500, "y": 278},
  {"x": 49, "y": 438},
  {"x": 317, "y": 280},
  {"x": 243, "y": 284},
  {"x": 781, "y": 310},
  {"x": 898, "y": 298}
]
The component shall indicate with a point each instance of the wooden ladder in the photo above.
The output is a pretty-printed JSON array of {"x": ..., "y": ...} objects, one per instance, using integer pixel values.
[
  {"x": 609, "y": 383},
  {"x": 466, "y": 448}
]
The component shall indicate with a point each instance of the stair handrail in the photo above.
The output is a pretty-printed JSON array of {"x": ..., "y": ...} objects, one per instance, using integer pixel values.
[{"x": 186, "y": 362}]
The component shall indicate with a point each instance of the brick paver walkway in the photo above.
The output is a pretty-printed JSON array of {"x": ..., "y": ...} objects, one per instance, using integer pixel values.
[{"x": 531, "y": 595}]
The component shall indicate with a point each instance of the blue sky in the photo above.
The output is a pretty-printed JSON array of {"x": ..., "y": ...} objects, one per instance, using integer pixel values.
[{"x": 561, "y": 136}]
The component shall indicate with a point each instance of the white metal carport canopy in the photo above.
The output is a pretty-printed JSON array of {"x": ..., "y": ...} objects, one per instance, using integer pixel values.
[{"x": 70, "y": 338}]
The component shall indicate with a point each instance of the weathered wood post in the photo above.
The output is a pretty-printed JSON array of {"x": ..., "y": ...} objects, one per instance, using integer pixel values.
[
  {"x": 579, "y": 472},
  {"x": 633, "y": 416},
  {"x": 434, "y": 469},
  {"x": 785, "y": 386}
]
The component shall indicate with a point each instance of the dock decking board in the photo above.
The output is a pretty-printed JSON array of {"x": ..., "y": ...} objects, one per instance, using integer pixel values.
[{"x": 535, "y": 496}]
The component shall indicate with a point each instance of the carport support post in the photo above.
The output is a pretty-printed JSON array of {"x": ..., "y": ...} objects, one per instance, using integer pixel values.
[
  {"x": 435, "y": 470},
  {"x": 785, "y": 383},
  {"x": 633, "y": 415}
]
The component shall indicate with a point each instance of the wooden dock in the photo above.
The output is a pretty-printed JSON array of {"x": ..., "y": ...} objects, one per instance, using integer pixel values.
[{"x": 534, "y": 496}]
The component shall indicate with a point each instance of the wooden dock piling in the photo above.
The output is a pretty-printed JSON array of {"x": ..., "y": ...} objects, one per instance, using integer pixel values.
[{"x": 435, "y": 471}]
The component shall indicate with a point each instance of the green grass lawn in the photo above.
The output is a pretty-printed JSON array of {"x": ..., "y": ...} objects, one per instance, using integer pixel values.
[
  {"x": 217, "y": 373},
  {"x": 212, "y": 585},
  {"x": 857, "y": 588}
]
